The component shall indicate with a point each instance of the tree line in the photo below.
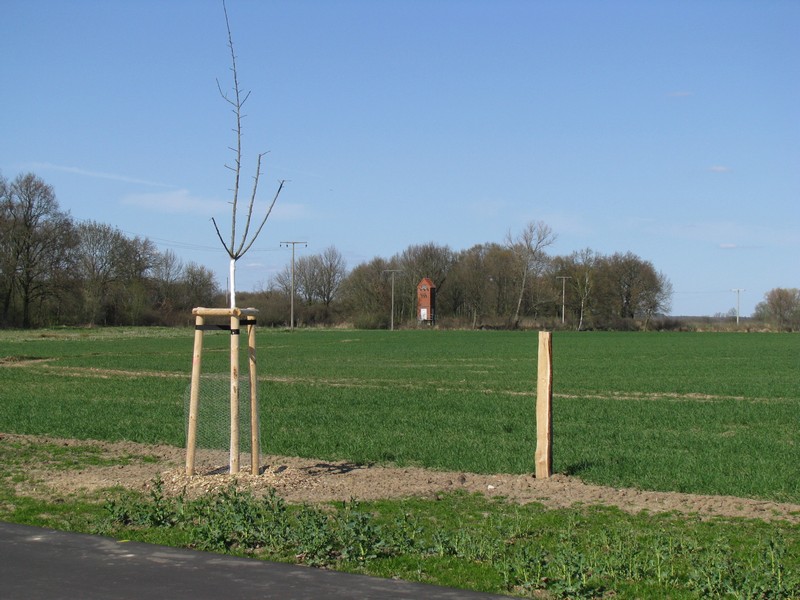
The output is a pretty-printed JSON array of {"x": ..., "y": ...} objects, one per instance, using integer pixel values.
[
  {"x": 55, "y": 271},
  {"x": 496, "y": 285}
]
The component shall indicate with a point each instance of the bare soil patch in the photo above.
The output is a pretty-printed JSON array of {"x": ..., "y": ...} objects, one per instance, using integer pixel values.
[{"x": 313, "y": 481}]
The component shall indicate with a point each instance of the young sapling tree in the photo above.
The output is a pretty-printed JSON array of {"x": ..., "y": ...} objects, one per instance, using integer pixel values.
[{"x": 236, "y": 248}]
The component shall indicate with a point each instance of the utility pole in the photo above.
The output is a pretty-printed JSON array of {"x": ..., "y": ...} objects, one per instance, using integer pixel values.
[
  {"x": 563, "y": 295},
  {"x": 291, "y": 318},
  {"x": 391, "y": 318},
  {"x": 738, "y": 292}
]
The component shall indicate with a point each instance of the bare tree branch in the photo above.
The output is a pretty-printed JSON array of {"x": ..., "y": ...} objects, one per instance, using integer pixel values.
[
  {"x": 252, "y": 202},
  {"x": 219, "y": 235},
  {"x": 237, "y": 109},
  {"x": 266, "y": 216}
]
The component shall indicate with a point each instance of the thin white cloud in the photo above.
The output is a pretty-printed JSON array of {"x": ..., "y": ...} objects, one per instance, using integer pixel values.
[
  {"x": 719, "y": 169},
  {"x": 727, "y": 246},
  {"x": 175, "y": 202},
  {"x": 44, "y": 166}
]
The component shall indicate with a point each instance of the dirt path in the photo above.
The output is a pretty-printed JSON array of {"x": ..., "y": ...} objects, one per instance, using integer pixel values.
[{"x": 308, "y": 480}]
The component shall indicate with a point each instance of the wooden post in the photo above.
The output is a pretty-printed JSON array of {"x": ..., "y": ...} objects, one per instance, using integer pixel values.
[
  {"x": 255, "y": 442},
  {"x": 234, "y": 454},
  {"x": 544, "y": 407},
  {"x": 194, "y": 398}
]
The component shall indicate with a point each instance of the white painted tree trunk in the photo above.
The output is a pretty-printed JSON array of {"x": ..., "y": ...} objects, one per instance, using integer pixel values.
[{"x": 233, "y": 282}]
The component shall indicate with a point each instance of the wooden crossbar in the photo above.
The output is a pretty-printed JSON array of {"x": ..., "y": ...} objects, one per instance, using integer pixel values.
[{"x": 224, "y": 312}]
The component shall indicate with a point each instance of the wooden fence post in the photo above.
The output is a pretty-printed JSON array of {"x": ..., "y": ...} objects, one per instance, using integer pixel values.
[{"x": 544, "y": 407}]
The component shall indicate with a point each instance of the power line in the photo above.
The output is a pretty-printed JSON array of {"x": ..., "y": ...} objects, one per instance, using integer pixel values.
[
  {"x": 701, "y": 292},
  {"x": 174, "y": 243}
]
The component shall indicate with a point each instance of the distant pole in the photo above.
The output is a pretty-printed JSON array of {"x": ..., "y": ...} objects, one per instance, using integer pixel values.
[
  {"x": 563, "y": 295},
  {"x": 291, "y": 317},
  {"x": 391, "y": 318},
  {"x": 738, "y": 292}
]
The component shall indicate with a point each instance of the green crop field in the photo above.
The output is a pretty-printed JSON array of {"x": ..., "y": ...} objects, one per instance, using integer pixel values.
[
  {"x": 710, "y": 413},
  {"x": 706, "y": 413}
]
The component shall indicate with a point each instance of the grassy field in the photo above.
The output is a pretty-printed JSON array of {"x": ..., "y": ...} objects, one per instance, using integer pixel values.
[
  {"x": 692, "y": 412},
  {"x": 709, "y": 413}
]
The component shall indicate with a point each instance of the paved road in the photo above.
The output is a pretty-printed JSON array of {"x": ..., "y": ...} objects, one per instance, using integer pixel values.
[{"x": 42, "y": 564}]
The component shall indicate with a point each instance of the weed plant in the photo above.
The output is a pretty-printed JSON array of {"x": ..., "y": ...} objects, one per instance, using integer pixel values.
[
  {"x": 487, "y": 545},
  {"x": 457, "y": 540}
]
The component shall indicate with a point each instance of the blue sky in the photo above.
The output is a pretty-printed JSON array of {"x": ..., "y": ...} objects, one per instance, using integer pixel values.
[{"x": 668, "y": 129}]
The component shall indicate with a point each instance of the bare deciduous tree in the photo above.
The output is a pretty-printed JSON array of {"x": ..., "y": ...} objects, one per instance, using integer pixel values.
[
  {"x": 469, "y": 284},
  {"x": 238, "y": 248},
  {"x": 366, "y": 293},
  {"x": 528, "y": 247},
  {"x": 657, "y": 298},
  {"x": 581, "y": 267},
  {"x": 629, "y": 287},
  {"x": 780, "y": 306},
  {"x": 39, "y": 240},
  {"x": 197, "y": 285},
  {"x": 332, "y": 270},
  {"x": 305, "y": 278},
  {"x": 98, "y": 247},
  {"x": 317, "y": 277}
]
